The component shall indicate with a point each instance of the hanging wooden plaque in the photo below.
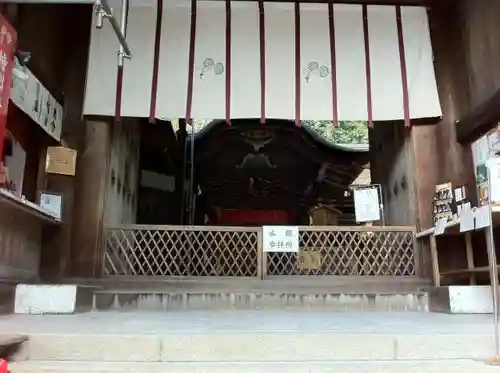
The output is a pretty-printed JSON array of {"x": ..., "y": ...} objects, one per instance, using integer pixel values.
[{"x": 309, "y": 259}]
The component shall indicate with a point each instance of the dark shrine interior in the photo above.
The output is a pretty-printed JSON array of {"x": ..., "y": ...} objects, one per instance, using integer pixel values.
[{"x": 245, "y": 173}]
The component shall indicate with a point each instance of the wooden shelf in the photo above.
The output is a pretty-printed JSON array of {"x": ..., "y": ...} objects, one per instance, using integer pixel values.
[
  {"x": 27, "y": 207},
  {"x": 466, "y": 271},
  {"x": 452, "y": 229}
]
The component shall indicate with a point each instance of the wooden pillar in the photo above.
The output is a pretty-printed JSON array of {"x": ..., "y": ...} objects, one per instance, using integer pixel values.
[
  {"x": 425, "y": 173},
  {"x": 438, "y": 157},
  {"x": 88, "y": 210},
  {"x": 56, "y": 259},
  {"x": 449, "y": 45}
]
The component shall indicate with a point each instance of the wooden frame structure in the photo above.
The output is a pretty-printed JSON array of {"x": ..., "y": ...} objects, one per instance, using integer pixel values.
[
  {"x": 204, "y": 251},
  {"x": 472, "y": 270}
]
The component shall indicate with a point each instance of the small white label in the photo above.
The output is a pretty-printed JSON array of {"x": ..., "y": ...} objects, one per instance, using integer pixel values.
[{"x": 280, "y": 239}]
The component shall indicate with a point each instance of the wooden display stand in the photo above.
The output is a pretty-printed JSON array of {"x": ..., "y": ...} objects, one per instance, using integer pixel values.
[
  {"x": 454, "y": 229},
  {"x": 471, "y": 270}
]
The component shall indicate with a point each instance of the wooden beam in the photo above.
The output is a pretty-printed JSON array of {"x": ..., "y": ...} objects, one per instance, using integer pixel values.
[
  {"x": 91, "y": 181},
  {"x": 480, "y": 121}
]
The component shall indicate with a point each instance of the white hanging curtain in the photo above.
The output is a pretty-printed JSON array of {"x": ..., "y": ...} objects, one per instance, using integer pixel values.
[{"x": 317, "y": 92}]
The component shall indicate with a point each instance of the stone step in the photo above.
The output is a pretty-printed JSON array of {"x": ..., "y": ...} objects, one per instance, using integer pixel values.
[
  {"x": 248, "y": 300},
  {"x": 251, "y": 336},
  {"x": 298, "y": 284},
  {"x": 455, "y": 366},
  {"x": 255, "y": 346}
]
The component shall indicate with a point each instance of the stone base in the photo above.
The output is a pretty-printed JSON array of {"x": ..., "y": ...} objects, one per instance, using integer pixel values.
[
  {"x": 254, "y": 300},
  {"x": 52, "y": 299},
  {"x": 461, "y": 299}
]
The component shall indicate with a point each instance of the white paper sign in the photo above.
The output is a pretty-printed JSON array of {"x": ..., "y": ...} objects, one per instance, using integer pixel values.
[
  {"x": 440, "y": 226},
  {"x": 280, "y": 239},
  {"x": 366, "y": 204},
  {"x": 466, "y": 218},
  {"x": 52, "y": 203},
  {"x": 493, "y": 165},
  {"x": 483, "y": 217}
]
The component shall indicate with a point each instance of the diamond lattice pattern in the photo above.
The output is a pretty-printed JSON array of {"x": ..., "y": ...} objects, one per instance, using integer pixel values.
[
  {"x": 347, "y": 253},
  {"x": 163, "y": 252}
]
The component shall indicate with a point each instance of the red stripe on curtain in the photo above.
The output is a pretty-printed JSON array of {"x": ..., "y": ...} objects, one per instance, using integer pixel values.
[
  {"x": 156, "y": 59},
  {"x": 118, "y": 94},
  {"x": 367, "y": 67},
  {"x": 228, "y": 62},
  {"x": 404, "y": 73},
  {"x": 192, "y": 47},
  {"x": 297, "y": 64},
  {"x": 333, "y": 63},
  {"x": 262, "y": 44},
  {"x": 119, "y": 81}
]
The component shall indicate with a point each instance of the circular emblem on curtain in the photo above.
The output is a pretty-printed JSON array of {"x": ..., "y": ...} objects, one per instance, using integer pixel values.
[
  {"x": 210, "y": 66},
  {"x": 314, "y": 68}
]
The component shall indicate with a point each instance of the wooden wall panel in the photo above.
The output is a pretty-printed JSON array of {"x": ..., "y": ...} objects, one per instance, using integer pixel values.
[
  {"x": 123, "y": 173},
  {"x": 466, "y": 34},
  {"x": 482, "y": 47},
  {"x": 42, "y": 32},
  {"x": 450, "y": 41},
  {"x": 20, "y": 244},
  {"x": 391, "y": 165}
]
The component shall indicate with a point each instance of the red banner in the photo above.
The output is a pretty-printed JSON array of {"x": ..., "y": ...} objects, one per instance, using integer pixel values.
[
  {"x": 8, "y": 41},
  {"x": 3, "y": 366},
  {"x": 243, "y": 217}
]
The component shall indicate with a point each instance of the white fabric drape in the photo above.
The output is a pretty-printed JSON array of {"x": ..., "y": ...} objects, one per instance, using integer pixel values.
[{"x": 209, "y": 78}]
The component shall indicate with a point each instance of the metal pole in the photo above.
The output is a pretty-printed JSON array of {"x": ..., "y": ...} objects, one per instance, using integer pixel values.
[
  {"x": 381, "y": 204},
  {"x": 123, "y": 29},
  {"x": 490, "y": 243},
  {"x": 191, "y": 182},
  {"x": 120, "y": 30}
]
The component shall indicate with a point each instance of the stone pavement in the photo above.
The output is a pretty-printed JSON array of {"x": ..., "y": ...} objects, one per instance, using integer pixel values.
[{"x": 253, "y": 341}]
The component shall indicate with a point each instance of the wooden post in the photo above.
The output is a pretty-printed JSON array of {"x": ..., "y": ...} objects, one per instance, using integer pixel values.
[
  {"x": 262, "y": 254},
  {"x": 92, "y": 175},
  {"x": 56, "y": 251},
  {"x": 435, "y": 261}
]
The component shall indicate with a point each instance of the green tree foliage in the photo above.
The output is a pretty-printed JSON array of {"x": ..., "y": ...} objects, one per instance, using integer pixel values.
[{"x": 348, "y": 132}]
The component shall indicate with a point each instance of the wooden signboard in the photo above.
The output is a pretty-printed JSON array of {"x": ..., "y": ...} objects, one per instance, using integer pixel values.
[
  {"x": 61, "y": 161},
  {"x": 309, "y": 259}
]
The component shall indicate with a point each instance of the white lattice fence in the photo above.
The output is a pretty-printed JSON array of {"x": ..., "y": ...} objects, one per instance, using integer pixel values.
[
  {"x": 347, "y": 251},
  {"x": 237, "y": 252},
  {"x": 181, "y": 251}
]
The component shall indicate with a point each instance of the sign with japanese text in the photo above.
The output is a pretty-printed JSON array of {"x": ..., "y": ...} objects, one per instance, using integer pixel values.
[
  {"x": 278, "y": 238},
  {"x": 37, "y": 102},
  {"x": 366, "y": 204},
  {"x": 8, "y": 40}
]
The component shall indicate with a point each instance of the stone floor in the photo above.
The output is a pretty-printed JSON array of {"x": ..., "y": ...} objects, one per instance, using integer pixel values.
[
  {"x": 253, "y": 342},
  {"x": 144, "y": 322}
]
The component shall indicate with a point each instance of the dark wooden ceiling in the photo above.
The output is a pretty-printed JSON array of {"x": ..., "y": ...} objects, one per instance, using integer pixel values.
[{"x": 276, "y": 166}]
